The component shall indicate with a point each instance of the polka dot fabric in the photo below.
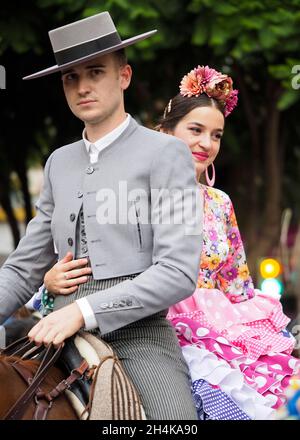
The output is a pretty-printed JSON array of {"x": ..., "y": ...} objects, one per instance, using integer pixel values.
[
  {"x": 227, "y": 316},
  {"x": 213, "y": 404}
]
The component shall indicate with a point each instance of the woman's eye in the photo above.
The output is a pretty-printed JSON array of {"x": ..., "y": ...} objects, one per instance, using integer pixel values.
[
  {"x": 195, "y": 130},
  {"x": 218, "y": 136}
]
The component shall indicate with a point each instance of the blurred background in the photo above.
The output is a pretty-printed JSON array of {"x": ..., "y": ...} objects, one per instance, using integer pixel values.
[{"x": 256, "y": 42}]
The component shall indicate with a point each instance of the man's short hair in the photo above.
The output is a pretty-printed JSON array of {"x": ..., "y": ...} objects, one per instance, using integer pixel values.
[{"x": 120, "y": 56}]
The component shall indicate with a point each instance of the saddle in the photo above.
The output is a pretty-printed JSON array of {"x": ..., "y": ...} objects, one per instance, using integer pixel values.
[
  {"x": 112, "y": 395},
  {"x": 92, "y": 371}
]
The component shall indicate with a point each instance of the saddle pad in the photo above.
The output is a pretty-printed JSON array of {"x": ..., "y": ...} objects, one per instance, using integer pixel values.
[{"x": 110, "y": 380}]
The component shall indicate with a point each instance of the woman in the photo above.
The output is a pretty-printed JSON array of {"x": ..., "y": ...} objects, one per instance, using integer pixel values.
[
  {"x": 233, "y": 337},
  {"x": 226, "y": 322}
]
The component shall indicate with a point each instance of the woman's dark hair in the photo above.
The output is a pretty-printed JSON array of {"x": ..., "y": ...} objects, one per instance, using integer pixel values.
[{"x": 180, "y": 106}]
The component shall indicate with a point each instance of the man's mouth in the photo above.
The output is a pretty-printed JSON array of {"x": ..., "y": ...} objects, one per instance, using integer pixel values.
[{"x": 86, "y": 101}]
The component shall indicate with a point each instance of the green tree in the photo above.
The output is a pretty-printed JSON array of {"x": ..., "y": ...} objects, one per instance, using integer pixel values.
[{"x": 256, "y": 42}]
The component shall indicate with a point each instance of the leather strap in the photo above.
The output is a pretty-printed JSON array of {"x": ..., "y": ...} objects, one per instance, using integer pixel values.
[
  {"x": 18, "y": 348},
  {"x": 27, "y": 376},
  {"x": 18, "y": 409},
  {"x": 23, "y": 372},
  {"x": 42, "y": 409},
  {"x": 23, "y": 347},
  {"x": 44, "y": 401}
]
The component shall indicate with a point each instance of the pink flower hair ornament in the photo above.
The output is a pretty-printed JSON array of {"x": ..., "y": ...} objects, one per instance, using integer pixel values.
[{"x": 214, "y": 84}]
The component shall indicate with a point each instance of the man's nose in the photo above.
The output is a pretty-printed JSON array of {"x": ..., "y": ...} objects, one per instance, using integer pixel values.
[{"x": 83, "y": 86}]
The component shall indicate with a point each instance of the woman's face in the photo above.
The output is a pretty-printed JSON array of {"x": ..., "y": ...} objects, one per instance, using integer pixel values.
[{"x": 201, "y": 129}]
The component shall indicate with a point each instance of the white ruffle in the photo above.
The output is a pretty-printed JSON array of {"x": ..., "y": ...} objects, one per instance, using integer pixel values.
[{"x": 204, "y": 364}]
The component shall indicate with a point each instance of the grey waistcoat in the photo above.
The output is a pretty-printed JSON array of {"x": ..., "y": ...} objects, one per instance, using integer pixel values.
[{"x": 81, "y": 245}]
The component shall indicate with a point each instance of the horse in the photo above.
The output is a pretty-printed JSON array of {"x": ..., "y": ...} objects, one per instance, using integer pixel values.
[
  {"x": 36, "y": 382},
  {"x": 13, "y": 385}
]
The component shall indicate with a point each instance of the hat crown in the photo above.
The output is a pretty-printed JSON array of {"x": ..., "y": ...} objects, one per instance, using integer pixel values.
[
  {"x": 82, "y": 31},
  {"x": 84, "y": 40}
]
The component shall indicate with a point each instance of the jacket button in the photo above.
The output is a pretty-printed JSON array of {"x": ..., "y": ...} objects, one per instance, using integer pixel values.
[
  {"x": 129, "y": 302},
  {"x": 72, "y": 217},
  {"x": 79, "y": 194},
  {"x": 70, "y": 241},
  {"x": 90, "y": 170}
]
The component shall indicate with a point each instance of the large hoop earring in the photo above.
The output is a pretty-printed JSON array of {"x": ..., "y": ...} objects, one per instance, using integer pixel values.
[{"x": 210, "y": 181}]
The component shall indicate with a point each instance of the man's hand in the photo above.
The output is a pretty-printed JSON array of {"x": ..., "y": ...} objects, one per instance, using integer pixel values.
[{"x": 57, "y": 326}]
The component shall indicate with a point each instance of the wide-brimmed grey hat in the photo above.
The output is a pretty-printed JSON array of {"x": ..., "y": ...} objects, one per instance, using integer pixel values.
[{"x": 85, "y": 39}]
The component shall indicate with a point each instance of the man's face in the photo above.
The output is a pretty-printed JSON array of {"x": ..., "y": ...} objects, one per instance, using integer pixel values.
[{"x": 94, "y": 89}]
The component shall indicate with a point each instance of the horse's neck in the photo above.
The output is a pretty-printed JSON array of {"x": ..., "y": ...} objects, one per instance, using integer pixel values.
[{"x": 12, "y": 385}]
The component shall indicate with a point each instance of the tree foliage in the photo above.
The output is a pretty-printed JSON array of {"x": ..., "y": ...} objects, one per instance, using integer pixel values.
[{"x": 256, "y": 42}]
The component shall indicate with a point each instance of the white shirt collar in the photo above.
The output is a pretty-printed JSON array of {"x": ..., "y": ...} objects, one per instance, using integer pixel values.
[{"x": 106, "y": 140}]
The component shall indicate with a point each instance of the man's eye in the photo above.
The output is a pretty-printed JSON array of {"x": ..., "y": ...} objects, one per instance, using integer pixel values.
[
  {"x": 69, "y": 77},
  {"x": 96, "y": 72}
]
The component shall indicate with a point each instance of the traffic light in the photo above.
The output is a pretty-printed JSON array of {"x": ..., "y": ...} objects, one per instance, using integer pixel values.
[{"x": 270, "y": 271}]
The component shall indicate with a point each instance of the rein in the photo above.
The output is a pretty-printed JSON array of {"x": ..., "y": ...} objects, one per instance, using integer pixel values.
[{"x": 43, "y": 401}]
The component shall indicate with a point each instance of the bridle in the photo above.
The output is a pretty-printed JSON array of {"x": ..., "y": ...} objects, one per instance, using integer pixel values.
[{"x": 43, "y": 401}]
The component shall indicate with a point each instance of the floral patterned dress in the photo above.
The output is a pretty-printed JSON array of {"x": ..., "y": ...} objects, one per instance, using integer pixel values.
[{"x": 233, "y": 336}]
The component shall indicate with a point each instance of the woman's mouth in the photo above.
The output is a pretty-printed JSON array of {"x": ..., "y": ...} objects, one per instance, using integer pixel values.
[{"x": 200, "y": 156}]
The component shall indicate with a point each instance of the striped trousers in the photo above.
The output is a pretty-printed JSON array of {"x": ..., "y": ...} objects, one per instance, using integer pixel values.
[{"x": 150, "y": 355}]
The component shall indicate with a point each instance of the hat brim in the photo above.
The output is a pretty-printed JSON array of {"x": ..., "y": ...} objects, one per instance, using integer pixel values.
[{"x": 111, "y": 49}]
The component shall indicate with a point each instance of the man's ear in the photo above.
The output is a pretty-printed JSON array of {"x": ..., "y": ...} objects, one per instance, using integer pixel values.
[{"x": 125, "y": 76}]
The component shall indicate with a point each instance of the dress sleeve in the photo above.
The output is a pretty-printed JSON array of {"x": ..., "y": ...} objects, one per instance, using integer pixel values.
[{"x": 234, "y": 278}]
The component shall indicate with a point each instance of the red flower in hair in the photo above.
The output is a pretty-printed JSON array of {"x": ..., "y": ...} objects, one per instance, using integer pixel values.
[{"x": 217, "y": 85}]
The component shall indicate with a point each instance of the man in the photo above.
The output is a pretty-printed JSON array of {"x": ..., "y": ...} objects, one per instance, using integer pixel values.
[{"x": 139, "y": 268}]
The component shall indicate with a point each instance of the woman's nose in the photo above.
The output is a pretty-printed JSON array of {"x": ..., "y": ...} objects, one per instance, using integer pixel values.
[{"x": 205, "y": 141}]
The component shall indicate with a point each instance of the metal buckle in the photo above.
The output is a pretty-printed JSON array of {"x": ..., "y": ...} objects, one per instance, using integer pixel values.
[
  {"x": 68, "y": 386},
  {"x": 76, "y": 372},
  {"x": 37, "y": 400}
]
